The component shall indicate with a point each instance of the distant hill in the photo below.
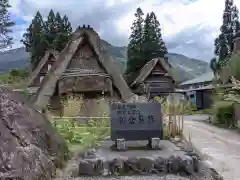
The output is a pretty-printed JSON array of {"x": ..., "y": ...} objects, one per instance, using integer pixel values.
[{"x": 185, "y": 68}]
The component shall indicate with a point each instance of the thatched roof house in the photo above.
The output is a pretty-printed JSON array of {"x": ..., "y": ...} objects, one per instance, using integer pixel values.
[
  {"x": 83, "y": 66},
  {"x": 42, "y": 69},
  {"x": 155, "y": 78}
]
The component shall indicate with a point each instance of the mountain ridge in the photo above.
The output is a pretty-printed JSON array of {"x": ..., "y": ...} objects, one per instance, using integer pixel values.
[{"x": 186, "y": 68}]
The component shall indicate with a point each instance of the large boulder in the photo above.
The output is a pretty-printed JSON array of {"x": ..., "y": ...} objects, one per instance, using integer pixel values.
[{"x": 30, "y": 148}]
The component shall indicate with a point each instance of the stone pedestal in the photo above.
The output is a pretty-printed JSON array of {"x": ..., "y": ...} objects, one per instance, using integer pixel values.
[
  {"x": 155, "y": 143},
  {"x": 120, "y": 144}
]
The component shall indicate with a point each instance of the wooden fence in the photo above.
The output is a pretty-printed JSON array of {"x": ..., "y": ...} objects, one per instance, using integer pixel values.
[{"x": 172, "y": 118}]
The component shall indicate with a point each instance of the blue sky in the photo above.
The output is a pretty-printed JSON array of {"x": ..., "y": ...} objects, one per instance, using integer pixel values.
[{"x": 189, "y": 27}]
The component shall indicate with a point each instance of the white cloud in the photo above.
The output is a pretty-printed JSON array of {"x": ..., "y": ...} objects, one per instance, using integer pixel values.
[
  {"x": 176, "y": 16},
  {"x": 201, "y": 19}
]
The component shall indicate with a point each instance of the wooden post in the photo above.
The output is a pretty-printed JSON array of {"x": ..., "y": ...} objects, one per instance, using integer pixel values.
[
  {"x": 182, "y": 113},
  {"x": 174, "y": 117}
]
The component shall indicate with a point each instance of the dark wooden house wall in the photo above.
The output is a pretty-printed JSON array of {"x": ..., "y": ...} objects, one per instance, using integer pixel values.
[
  {"x": 204, "y": 98},
  {"x": 85, "y": 59},
  {"x": 37, "y": 81},
  {"x": 159, "y": 83}
]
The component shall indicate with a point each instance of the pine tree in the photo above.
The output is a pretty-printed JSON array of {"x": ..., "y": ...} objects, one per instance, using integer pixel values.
[
  {"x": 5, "y": 25},
  {"x": 28, "y": 38},
  {"x": 134, "y": 47},
  {"x": 224, "y": 43},
  {"x": 34, "y": 40},
  {"x": 153, "y": 44},
  {"x": 67, "y": 25},
  {"x": 58, "y": 22},
  {"x": 57, "y": 43},
  {"x": 236, "y": 23},
  {"x": 50, "y": 29},
  {"x": 64, "y": 32},
  {"x": 214, "y": 65}
]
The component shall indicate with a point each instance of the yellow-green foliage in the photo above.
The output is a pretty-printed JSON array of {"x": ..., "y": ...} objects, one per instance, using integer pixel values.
[
  {"x": 8, "y": 79},
  {"x": 223, "y": 112},
  {"x": 72, "y": 105},
  {"x": 173, "y": 106},
  {"x": 15, "y": 76},
  {"x": 175, "y": 109},
  {"x": 4, "y": 77},
  {"x": 76, "y": 134},
  {"x": 83, "y": 136}
]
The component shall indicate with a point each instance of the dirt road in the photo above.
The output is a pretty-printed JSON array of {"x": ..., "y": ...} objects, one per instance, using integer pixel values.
[{"x": 220, "y": 147}]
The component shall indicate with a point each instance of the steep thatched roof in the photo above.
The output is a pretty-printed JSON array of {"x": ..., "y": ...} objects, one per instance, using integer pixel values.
[
  {"x": 49, "y": 83},
  {"x": 147, "y": 69},
  {"x": 43, "y": 61}
]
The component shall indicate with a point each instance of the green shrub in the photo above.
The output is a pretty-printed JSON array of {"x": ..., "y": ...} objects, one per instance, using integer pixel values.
[
  {"x": 21, "y": 73},
  {"x": 82, "y": 136},
  {"x": 223, "y": 112},
  {"x": 27, "y": 94}
]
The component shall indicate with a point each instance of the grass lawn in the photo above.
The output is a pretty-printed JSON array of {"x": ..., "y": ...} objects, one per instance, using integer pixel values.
[{"x": 81, "y": 137}]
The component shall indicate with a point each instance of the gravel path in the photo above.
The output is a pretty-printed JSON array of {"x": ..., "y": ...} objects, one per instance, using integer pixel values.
[
  {"x": 220, "y": 147},
  {"x": 167, "y": 177}
]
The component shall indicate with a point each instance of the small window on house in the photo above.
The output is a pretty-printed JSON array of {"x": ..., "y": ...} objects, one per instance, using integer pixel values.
[
  {"x": 49, "y": 66},
  {"x": 192, "y": 96},
  {"x": 41, "y": 78}
]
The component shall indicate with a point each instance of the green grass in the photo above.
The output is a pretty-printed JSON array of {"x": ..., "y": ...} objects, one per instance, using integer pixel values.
[
  {"x": 5, "y": 78},
  {"x": 81, "y": 137}
]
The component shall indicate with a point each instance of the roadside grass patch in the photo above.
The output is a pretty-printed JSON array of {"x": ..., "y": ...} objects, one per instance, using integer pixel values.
[
  {"x": 80, "y": 137},
  {"x": 223, "y": 113}
]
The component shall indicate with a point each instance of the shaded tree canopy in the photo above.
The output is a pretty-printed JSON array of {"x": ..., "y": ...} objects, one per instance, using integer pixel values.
[
  {"x": 224, "y": 43},
  {"x": 134, "y": 50},
  {"x": 40, "y": 36},
  {"x": 5, "y": 25},
  {"x": 34, "y": 40},
  {"x": 145, "y": 43}
]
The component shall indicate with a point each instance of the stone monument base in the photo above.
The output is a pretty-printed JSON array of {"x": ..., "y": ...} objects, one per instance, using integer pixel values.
[
  {"x": 120, "y": 144},
  {"x": 137, "y": 159}
]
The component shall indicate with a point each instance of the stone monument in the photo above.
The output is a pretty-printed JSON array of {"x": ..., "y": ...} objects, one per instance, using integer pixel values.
[{"x": 136, "y": 122}]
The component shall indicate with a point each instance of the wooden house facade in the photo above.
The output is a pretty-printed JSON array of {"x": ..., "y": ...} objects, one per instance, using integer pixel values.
[
  {"x": 42, "y": 69},
  {"x": 155, "y": 79},
  {"x": 83, "y": 67}
]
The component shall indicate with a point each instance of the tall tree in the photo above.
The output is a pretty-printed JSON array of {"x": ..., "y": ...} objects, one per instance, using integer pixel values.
[
  {"x": 236, "y": 23},
  {"x": 224, "y": 43},
  {"x": 28, "y": 38},
  {"x": 214, "y": 65},
  {"x": 134, "y": 47},
  {"x": 34, "y": 40},
  {"x": 5, "y": 25},
  {"x": 51, "y": 27},
  {"x": 153, "y": 44},
  {"x": 64, "y": 32}
]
